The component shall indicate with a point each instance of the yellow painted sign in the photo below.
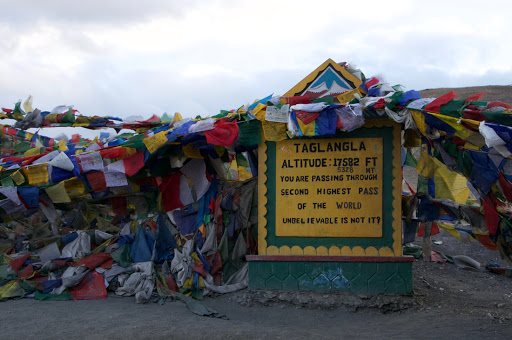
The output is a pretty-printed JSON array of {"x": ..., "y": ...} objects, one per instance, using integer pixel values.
[{"x": 329, "y": 187}]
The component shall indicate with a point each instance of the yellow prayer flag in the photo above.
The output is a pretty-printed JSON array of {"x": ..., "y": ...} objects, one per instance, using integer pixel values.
[
  {"x": 90, "y": 216},
  {"x": 32, "y": 152},
  {"x": 37, "y": 174},
  {"x": 471, "y": 146},
  {"x": 450, "y": 184},
  {"x": 154, "y": 142},
  {"x": 82, "y": 121},
  {"x": 460, "y": 130},
  {"x": 274, "y": 132},
  {"x": 11, "y": 289},
  {"x": 258, "y": 108},
  {"x": 27, "y": 105},
  {"x": 348, "y": 96},
  {"x": 426, "y": 166},
  {"x": 411, "y": 139},
  {"x": 74, "y": 187},
  {"x": 419, "y": 119},
  {"x": 192, "y": 152},
  {"x": 62, "y": 145},
  {"x": 18, "y": 177},
  {"x": 51, "y": 117},
  {"x": 261, "y": 115},
  {"x": 135, "y": 187},
  {"x": 307, "y": 129},
  {"x": 473, "y": 123},
  {"x": 450, "y": 229},
  {"x": 233, "y": 170},
  {"x": 130, "y": 151},
  {"x": 219, "y": 149},
  {"x": 57, "y": 193},
  {"x": 243, "y": 174},
  {"x": 177, "y": 118}
]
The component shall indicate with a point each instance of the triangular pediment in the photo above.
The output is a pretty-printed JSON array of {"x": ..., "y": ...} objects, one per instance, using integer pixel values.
[{"x": 329, "y": 79}]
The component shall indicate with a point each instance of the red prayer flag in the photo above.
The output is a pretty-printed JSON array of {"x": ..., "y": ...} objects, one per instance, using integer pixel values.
[
  {"x": 307, "y": 117},
  {"x": 506, "y": 187},
  {"x": 96, "y": 180},
  {"x": 498, "y": 103},
  {"x": 224, "y": 133},
  {"x": 492, "y": 218},
  {"x": 113, "y": 153},
  {"x": 486, "y": 241},
  {"x": 170, "y": 189},
  {"x": 17, "y": 263},
  {"x": 435, "y": 106},
  {"x": 372, "y": 81},
  {"x": 119, "y": 205},
  {"x": 75, "y": 138},
  {"x": 92, "y": 287},
  {"x": 475, "y": 98},
  {"x": 171, "y": 284},
  {"x": 134, "y": 163},
  {"x": 95, "y": 260},
  {"x": 299, "y": 100},
  {"x": 434, "y": 230},
  {"x": 27, "y": 272}
]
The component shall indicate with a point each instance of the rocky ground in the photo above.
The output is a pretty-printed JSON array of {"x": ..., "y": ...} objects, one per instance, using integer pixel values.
[
  {"x": 448, "y": 303},
  {"x": 492, "y": 92}
]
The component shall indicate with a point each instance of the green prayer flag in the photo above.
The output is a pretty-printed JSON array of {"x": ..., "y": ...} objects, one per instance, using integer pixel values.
[
  {"x": 68, "y": 117},
  {"x": 453, "y": 108},
  {"x": 249, "y": 132},
  {"x": 422, "y": 184},
  {"x": 21, "y": 147},
  {"x": 410, "y": 160},
  {"x": 53, "y": 297},
  {"x": 7, "y": 182},
  {"x": 122, "y": 255},
  {"x": 327, "y": 100},
  {"x": 499, "y": 117}
]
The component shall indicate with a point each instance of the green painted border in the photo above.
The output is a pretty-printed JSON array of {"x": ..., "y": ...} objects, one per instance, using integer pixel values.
[{"x": 386, "y": 133}]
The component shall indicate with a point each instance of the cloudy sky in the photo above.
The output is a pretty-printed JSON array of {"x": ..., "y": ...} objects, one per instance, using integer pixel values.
[{"x": 197, "y": 57}]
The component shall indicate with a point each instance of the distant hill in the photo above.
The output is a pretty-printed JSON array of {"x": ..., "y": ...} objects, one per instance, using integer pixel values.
[{"x": 492, "y": 92}]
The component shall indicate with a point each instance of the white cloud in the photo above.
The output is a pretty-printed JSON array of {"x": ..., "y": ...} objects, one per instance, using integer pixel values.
[{"x": 130, "y": 57}]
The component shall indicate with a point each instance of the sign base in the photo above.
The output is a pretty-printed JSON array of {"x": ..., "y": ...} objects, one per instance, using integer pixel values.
[{"x": 357, "y": 274}]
